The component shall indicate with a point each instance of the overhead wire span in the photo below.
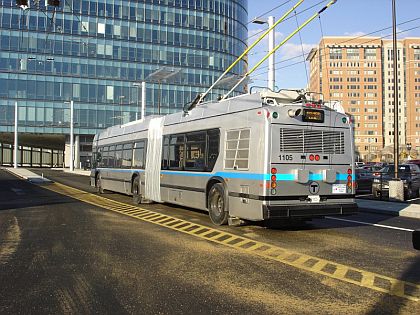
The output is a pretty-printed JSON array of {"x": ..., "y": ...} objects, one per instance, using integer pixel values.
[
  {"x": 365, "y": 42},
  {"x": 279, "y": 45},
  {"x": 357, "y": 37},
  {"x": 298, "y": 13},
  {"x": 245, "y": 53},
  {"x": 269, "y": 11}
]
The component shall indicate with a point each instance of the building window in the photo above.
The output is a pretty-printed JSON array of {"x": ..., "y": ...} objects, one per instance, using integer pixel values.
[
  {"x": 352, "y": 53},
  {"x": 417, "y": 54},
  {"x": 370, "y": 53},
  {"x": 336, "y": 53}
]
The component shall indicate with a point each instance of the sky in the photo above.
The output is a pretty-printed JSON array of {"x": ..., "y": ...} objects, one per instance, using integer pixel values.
[{"x": 344, "y": 18}]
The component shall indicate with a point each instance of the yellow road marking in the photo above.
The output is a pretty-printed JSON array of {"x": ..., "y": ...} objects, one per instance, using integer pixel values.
[{"x": 404, "y": 289}]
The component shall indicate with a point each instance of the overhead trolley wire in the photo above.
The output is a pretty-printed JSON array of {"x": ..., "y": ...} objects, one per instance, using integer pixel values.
[
  {"x": 348, "y": 40},
  {"x": 300, "y": 12},
  {"x": 269, "y": 11}
]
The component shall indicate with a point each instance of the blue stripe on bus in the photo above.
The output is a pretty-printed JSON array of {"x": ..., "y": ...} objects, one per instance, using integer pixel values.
[
  {"x": 344, "y": 177},
  {"x": 285, "y": 177},
  {"x": 237, "y": 175}
]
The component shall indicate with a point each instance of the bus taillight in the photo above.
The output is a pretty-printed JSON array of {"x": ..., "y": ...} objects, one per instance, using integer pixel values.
[
  {"x": 317, "y": 157},
  {"x": 349, "y": 180},
  {"x": 312, "y": 157},
  {"x": 273, "y": 183}
]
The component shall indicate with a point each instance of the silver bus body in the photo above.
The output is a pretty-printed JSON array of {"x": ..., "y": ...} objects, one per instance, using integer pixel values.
[{"x": 275, "y": 158}]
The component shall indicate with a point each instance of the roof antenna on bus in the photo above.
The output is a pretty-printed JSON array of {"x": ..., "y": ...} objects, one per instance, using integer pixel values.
[{"x": 191, "y": 105}]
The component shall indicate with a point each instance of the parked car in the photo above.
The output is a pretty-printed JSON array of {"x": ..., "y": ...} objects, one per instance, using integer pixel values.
[
  {"x": 413, "y": 162},
  {"x": 408, "y": 173},
  {"x": 372, "y": 168},
  {"x": 364, "y": 180}
]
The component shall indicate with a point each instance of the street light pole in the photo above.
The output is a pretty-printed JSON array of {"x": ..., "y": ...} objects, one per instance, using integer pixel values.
[
  {"x": 121, "y": 109},
  {"x": 71, "y": 136},
  {"x": 271, "y": 59},
  {"x": 271, "y": 45},
  {"x": 15, "y": 151},
  {"x": 396, "y": 106},
  {"x": 143, "y": 98}
]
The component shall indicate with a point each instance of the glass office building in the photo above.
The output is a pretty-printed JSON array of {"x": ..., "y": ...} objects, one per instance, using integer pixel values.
[{"x": 94, "y": 52}]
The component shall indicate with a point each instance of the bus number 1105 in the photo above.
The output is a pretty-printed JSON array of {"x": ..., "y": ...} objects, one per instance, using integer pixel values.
[{"x": 286, "y": 157}]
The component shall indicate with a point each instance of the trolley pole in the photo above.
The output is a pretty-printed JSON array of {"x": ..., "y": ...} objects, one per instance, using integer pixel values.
[{"x": 15, "y": 151}]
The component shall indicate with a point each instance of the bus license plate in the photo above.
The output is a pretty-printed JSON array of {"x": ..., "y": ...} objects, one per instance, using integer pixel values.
[{"x": 339, "y": 188}]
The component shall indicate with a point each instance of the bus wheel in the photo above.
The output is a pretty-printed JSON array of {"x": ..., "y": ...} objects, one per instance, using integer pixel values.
[
  {"x": 217, "y": 205},
  {"x": 135, "y": 189},
  {"x": 99, "y": 188}
]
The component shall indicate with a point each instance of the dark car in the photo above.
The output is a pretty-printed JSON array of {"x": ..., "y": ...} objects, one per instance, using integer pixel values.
[
  {"x": 413, "y": 162},
  {"x": 364, "y": 180},
  {"x": 408, "y": 173}
]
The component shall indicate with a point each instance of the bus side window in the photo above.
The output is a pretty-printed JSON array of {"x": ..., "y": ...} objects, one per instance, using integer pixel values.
[
  {"x": 177, "y": 152},
  {"x": 111, "y": 157},
  {"x": 104, "y": 161},
  {"x": 165, "y": 152},
  {"x": 195, "y": 151},
  {"x": 138, "y": 156},
  {"x": 118, "y": 156},
  {"x": 213, "y": 144},
  {"x": 127, "y": 155}
]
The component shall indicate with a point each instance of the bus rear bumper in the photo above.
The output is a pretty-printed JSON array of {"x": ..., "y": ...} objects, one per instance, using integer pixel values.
[{"x": 308, "y": 210}]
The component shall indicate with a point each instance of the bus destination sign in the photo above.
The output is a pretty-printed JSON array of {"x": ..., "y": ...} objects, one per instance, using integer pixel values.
[{"x": 313, "y": 115}]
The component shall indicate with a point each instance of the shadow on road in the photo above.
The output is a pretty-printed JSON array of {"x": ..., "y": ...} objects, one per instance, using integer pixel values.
[{"x": 394, "y": 304}]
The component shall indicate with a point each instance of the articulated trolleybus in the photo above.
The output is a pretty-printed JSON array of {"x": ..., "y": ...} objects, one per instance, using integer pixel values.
[{"x": 260, "y": 156}]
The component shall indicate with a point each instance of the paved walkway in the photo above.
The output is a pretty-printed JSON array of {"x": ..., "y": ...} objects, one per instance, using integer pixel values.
[
  {"x": 386, "y": 207},
  {"x": 26, "y": 174}
]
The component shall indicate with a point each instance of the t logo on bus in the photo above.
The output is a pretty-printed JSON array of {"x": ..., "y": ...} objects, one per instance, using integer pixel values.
[{"x": 314, "y": 188}]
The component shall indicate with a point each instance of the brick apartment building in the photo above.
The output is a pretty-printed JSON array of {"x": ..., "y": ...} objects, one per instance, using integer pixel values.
[{"x": 358, "y": 72}]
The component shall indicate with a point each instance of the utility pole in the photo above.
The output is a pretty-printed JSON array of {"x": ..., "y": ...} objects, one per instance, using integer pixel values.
[{"x": 396, "y": 106}]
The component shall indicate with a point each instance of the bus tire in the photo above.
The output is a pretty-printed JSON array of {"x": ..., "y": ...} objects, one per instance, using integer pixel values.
[
  {"x": 99, "y": 188},
  {"x": 135, "y": 189},
  {"x": 217, "y": 205}
]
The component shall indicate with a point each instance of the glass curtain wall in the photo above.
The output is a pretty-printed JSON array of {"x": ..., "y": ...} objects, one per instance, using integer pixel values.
[{"x": 92, "y": 51}]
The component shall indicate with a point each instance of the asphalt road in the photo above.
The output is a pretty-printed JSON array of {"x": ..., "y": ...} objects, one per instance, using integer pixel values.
[{"x": 60, "y": 255}]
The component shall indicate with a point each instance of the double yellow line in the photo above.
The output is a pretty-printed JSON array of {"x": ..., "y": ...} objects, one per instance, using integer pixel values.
[{"x": 359, "y": 277}]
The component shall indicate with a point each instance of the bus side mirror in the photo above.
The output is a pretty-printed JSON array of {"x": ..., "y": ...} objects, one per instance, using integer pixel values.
[{"x": 416, "y": 239}]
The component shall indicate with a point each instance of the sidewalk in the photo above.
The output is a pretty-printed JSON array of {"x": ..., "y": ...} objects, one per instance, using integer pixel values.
[
  {"x": 26, "y": 174},
  {"x": 76, "y": 171},
  {"x": 383, "y": 207},
  {"x": 391, "y": 208}
]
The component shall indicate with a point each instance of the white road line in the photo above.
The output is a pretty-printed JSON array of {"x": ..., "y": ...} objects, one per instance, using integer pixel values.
[{"x": 372, "y": 224}]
